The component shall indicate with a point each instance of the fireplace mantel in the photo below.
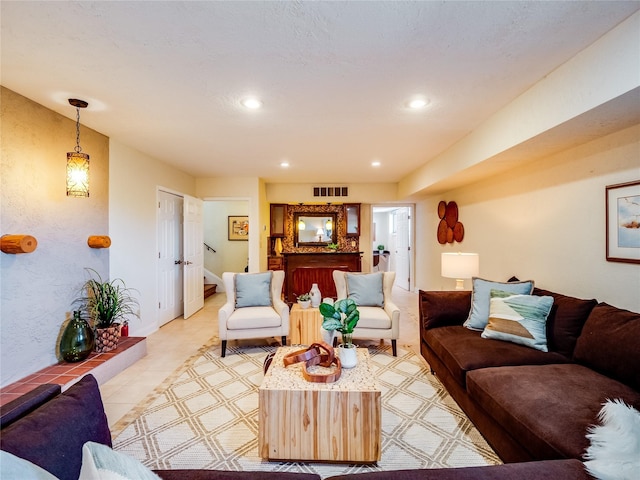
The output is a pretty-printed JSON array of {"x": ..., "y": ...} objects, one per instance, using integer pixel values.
[{"x": 304, "y": 269}]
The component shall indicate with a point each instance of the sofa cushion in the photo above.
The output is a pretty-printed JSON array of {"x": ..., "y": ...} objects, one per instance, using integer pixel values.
[
  {"x": 480, "y": 295},
  {"x": 610, "y": 344},
  {"x": 70, "y": 419},
  {"x": 373, "y": 317},
  {"x": 548, "y": 408},
  {"x": 463, "y": 350},
  {"x": 440, "y": 309},
  {"x": 520, "y": 319},
  {"x": 565, "y": 320},
  {"x": 549, "y": 469},
  {"x": 245, "y": 318}
]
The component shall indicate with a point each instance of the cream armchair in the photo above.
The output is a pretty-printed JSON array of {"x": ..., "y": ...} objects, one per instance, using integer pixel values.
[
  {"x": 379, "y": 316},
  {"x": 254, "y": 307}
]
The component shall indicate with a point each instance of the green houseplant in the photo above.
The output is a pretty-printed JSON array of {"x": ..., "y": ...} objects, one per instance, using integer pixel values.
[
  {"x": 342, "y": 316},
  {"x": 304, "y": 300},
  {"x": 107, "y": 304}
]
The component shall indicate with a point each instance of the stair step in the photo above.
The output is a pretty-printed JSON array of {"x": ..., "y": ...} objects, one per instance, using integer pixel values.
[{"x": 209, "y": 289}]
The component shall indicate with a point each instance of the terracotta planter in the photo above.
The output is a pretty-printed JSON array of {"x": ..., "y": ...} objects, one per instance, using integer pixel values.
[{"x": 107, "y": 338}]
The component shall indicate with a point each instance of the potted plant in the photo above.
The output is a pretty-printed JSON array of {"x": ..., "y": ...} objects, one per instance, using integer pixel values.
[
  {"x": 304, "y": 300},
  {"x": 381, "y": 248},
  {"x": 333, "y": 246},
  {"x": 107, "y": 304},
  {"x": 342, "y": 316}
]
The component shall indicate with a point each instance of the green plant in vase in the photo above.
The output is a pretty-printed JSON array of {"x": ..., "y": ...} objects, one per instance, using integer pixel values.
[
  {"x": 342, "y": 316},
  {"x": 107, "y": 304}
]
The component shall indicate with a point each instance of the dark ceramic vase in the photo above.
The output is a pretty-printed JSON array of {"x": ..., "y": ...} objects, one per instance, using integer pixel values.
[{"x": 77, "y": 340}]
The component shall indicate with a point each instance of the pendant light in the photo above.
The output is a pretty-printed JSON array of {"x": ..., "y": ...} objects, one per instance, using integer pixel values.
[{"x": 77, "y": 162}]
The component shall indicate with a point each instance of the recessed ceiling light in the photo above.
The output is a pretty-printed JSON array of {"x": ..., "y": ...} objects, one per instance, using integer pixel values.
[
  {"x": 284, "y": 164},
  {"x": 251, "y": 103},
  {"x": 417, "y": 103},
  {"x": 375, "y": 163}
]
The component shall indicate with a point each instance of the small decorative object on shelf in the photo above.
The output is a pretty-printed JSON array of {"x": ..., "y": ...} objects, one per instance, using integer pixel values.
[
  {"x": 18, "y": 243},
  {"x": 124, "y": 330},
  {"x": 99, "y": 241},
  {"x": 342, "y": 316},
  {"x": 77, "y": 340},
  {"x": 333, "y": 246},
  {"x": 316, "y": 296},
  {"x": 304, "y": 300},
  {"x": 381, "y": 248}
]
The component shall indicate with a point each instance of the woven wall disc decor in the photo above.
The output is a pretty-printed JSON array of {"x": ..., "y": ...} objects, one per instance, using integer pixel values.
[{"x": 449, "y": 228}]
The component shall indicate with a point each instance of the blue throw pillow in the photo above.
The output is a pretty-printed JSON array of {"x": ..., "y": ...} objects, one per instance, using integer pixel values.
[
  {"x": 365, "y": 289},
  {"x": 519, "y": 319},
  {"x": 19, "y": 468},
  {"x": 253, "y": 289},
  {"x": 479, "y": 314}
]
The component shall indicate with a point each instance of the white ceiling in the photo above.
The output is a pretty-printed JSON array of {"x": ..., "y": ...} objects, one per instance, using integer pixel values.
[{"x": 167, "y": 78}]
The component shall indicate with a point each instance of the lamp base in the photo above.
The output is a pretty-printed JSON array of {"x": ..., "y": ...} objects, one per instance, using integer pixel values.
[{"x": 459, "y": 284}]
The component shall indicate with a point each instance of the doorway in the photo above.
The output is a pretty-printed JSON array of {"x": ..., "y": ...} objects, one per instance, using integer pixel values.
[
  {"x": 180, "y": 256},
  {"x": 393, "y": 229},
  {"x": 227, "y": 253}
]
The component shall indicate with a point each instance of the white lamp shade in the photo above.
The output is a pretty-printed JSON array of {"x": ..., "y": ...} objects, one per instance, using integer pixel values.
[{"x": 460, "y": 265}]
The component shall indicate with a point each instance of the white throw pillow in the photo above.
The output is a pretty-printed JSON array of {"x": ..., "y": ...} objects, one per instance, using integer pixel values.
[
  {"x": 614, "y": 453},
  {"x": 100, "y": 462}
]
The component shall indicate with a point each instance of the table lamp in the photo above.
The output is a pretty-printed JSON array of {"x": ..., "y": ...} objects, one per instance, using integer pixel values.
[{"x": 460, "y": 266}]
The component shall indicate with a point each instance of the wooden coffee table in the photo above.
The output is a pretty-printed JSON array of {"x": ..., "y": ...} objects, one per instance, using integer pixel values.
[{"x": 332, "y": 422}]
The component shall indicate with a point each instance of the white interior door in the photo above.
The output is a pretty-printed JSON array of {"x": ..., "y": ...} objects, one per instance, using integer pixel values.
[
  {"x": 403, "y": 248},
  {"x": 193, "y": 256},
  {"x": 170, "y": 277}
]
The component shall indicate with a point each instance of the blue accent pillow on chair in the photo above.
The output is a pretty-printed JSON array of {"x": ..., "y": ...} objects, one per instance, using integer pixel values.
[
  {"x": 253, "y": 289},
  {"x": 365, "y": 289}
]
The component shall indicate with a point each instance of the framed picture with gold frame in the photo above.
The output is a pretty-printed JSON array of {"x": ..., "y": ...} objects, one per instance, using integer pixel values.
[
  {"x": 623, "y": 222},
  {"x": 238, "y": 227}
]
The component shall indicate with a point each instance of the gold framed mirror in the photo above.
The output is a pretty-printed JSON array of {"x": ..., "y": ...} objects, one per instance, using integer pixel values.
[{"x": 314, "y": 229}]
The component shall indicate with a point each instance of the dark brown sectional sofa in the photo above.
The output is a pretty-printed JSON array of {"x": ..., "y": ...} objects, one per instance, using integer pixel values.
[
  {"x": 48, "y": 428},
  {"x": 528, "y": 404}
]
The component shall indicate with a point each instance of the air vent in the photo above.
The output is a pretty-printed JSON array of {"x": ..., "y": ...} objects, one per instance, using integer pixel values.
[{"x": 330, "y": 191}]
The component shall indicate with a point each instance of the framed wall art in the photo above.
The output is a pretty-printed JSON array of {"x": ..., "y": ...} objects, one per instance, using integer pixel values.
[
  {"x": 238, "y": 227},
  {"x": 623, "y": 222}
]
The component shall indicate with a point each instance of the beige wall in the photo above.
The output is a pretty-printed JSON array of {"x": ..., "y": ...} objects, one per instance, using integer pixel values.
[
  {"x": 134, "y": 182},
  {"x": 230, "y": 256},
  {"x": 543, "y": 221},
  {"x": 37, "y": 289}
]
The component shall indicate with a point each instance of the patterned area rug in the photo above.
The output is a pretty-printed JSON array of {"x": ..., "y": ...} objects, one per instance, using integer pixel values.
[{"x": 205, "y": 416}]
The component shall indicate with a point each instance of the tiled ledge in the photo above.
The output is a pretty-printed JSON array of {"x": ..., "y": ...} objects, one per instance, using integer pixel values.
[{"x": 103, "y": 366}]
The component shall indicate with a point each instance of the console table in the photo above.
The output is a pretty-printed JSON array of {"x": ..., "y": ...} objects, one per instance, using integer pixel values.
[{"x": 302, "y": 270}]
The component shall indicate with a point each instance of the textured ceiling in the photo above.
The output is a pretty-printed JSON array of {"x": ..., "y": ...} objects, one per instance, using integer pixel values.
[{"x": 167, "y": 78}]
